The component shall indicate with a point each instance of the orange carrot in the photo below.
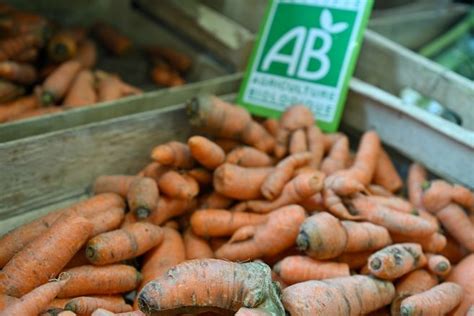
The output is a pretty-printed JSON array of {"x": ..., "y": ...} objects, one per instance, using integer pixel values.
[
  {"x": 416, "y": 178},
  {"x": 107, "y": 220},
  {"x": 246, "y": 156},
  {"x": 453, "y": 250},
  {"x": 458, "y": 224},
  {"x": 295, "y": 191},
  {"x": 284, "y": 170},
  {"x": 153, "y": 170},
  {"x": 54, "y": 88},
  {"x": 173, "y": 154},
  {"x": 298, "y": 142},
  {"x": 222, "y": 119},
  {"x": 168, "y": 208},
  {"x": 214, "y": 200},
  {"x": 9, "y": 91},
  {"x": 336, "y": 206},
  {"x": 354, "y": 179},
  {"x": 463, "y": 274},
  {"x": 435, "y": 242},
  {"x": 438, "y": 194},
  {"x": 414, "y": 282},
  {"x": 115, "y": 42},
  {"x": 206, "y": 152},
  {"x": 314, "y": 203},
  {"x": 178, "y": 186},
  {"x": 142, "y": 196},
  {"x": 81, "y": 92},
  {"x": 177, "y": 59},
  {"x": 238, "y": 182},
  {"x": 227, "y": 145},
  {"x": 78, "y": 260},
  {"x": 63, "y": 45},
  {"x": 438, "y": 264},
  {"x": 13, "y": 46},
  {"x": 315, "y": 144},
  {"x": 118, "y": 184},
  {"x": 6, "y": 300},
  {"x": 196, "y": 247},
  {"x": 108, "y": 87},
  {"x": 86, "y": 54},
  {"x": 396, "y": 260},
  {"x": 52, "y": 250},
  {"x": 122, "y": 244},
  {"x": 271, "y": 125},
  {"x": 221, "y": 223},
  {"x": 37, "y": 300},
  {"x": 365, "y": 236},
  {"x": 355, "y": 260},
  {"x": 439, "y": 300},
  {"x": 163, "y": 75},
  {"x": 183, "y": 290},
  {"x": 378, "y": 190},
  {"x": 201, "y": 175},
  {"x": 296, "y": 269},
  {"x": 354, "y": 295},
  {"x": 338, "y": 157},
  {"x": 394, "y": 202},
  {"x": 251, "y": 242},
  {"x": 11, "y": 110},
  {"x": 86, "y": 305},
  {"x": 330, "y": 139},
  {"x": 106, "y": 280},
  {"x": 386, "y": 174},
  {"x": 16, "y": 72}
]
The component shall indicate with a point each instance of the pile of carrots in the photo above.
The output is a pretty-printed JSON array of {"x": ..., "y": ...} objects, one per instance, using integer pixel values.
[
  {"x": 250, "y": 217},
  {"x": 46, "y": 69}
]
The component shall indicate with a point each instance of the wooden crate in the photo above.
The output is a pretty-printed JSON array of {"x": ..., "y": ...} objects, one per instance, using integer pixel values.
[{"x": 47, "y": 171}]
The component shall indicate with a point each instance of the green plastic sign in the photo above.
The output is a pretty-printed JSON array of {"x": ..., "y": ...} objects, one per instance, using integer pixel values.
[{"x": 305, "y": 53}]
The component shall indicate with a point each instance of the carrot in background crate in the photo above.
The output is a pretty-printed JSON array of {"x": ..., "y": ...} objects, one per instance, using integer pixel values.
[
  {"x": 82, "y": 91},
  {"x": 87, "y": 305},
  {"x": 9, "y": 91},
  {"x": 28, "y": 56},
  {"x": 435, "y": 242},
  {"x": 64, "y": 44},
  {"x": 18, "y": 72},
  {"x": 385, "y": 173},
  {"x": 202, "y": 176},
  {"x": 178, "y": 60},
  {"x": 196, "y": 247},
  {"x": 142, "y": 196},
  {"x": 247, "y": 156},
  {"x": 86, "y": 54},
  {"x": 206, "y": 152},
  {"x": 111, "y": 87},
  {"x": 174, "y": 154},
  {"x": 13, "y": 46},
  {"x": 55, "y": 87},
  {"x": 11, "y": 110},
  {"x": 178, "y": 186},
  {"x": 115, "y": 42},
  {"x": 163, "y": 75}
]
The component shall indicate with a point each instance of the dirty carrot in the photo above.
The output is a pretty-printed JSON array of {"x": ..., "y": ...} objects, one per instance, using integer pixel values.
[
  {"x": 386, "y": 174},
  {"x": 86, "y": 54},
  {"x": 439, "y": 193},
  {"x": 463, "y": 274},
  {"x": 108, "y": 87},
  {"x": 122, "y": 244},
  {"x": 396, "y": 260},
  {"x": 21, "y": 274},
  {"x": 271, "y": 125},
  {"x": 296, "y": 269},
  {"x": 96, "y": 280},
  {"x": 202, "y": 176},
  {"x": 355, "y": 260},
  {"x": 365, "y": 236},
  {"x": 221, "y": 223},
  {"x": 315, "y": 145},
  {"x": 142, "y": 196},
  {"x": 153, "y": 170},
  {"x": 438, "y": 264},
  {"x": 206, "y": 152},
  {"x": 196, "y": 247},
  {"x": 283, "y": 172},
  {"x": 330, "y": 139},
  {"x": 439, "y": 300},
  {"x": 435, "y": 242},
  {"x": 168, "y": 208},
  {"x": 115, "y": 42},
  {"x": 251, "y": 242},
  {"x": 298, "y": 142},
  {"x": 227, "y": 145},
  {"x": 81, "y": 92},
  {"x": 11, "y": 110},
  {"x": 314, "y": 203},
  {"x": 453, "y": 250},
  {"x": 118, "y": 184},
  {"x": 54, "y": 88},
  {"x": 178, "y": 186},
  {"x": 9, "y": 91},
  {"x": 214, "y": 200},
  {"x": 222, "y": 119},
  {"x": 107, "y": 220},
  {"x": 458, "y": 224},
  {"x": 174, "y": 154},
  {"x": 163, "y": 75},
  {"x": 86, "y": 305},
  {"x": 238, "y": 182},
  {"x": 17, "y": 72},
  {"x": 63, "y": 45},
  {"x": 337, "y": 158},
  {"x": 246, "y": 156},
  {"x": 416, "y": 177}
]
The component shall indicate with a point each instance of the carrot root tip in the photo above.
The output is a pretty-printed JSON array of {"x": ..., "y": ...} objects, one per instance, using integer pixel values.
[
  {"x": 91, "y": 253},
  {"x": 71, "y": 306},
  {"x": 442, "y": 267},
  {"x": 376, "y": 263},
  {"x": 425, "y": 185},
  {"x": 302, "y": 241},
  {"x": 142, "y": 212},
  {"x": 405, "y": 311},
  {"x": 47, "y": 98}
]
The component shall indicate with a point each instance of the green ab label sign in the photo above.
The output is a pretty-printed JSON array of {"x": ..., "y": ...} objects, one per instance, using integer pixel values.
[{"x": 305, "y": 54}]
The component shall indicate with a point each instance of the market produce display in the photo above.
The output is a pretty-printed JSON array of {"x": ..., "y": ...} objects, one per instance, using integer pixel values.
[
  {"x": 250, "y": 217},
  {"x": 46, "y": 68}
]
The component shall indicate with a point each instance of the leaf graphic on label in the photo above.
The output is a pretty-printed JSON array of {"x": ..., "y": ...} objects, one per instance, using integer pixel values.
[
  {"x": 339, "y": 27},
  {"x": 326, "y": 20}
]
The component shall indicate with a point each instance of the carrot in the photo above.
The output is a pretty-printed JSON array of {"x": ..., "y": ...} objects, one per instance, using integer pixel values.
[
  {"x": 54, "y": 88},
  {"x": 315, "y": 203},
  {"x": 294, "y": 117},
  {"x": 214, "y": 200},
  {"x": 115, "y": 42},
  {"x": 78, "y": 260},
  {"x": 335, "y": 205},
  {"x": 38, "y": 112},
  {"x": 227, "y": 145},
  {"x": 107, "y": 220},
  {"x": 246, "y": 156},
  {"x": 9, "y": 91},
  {"x": 315, "y": 144},
  {"x": 354, "y": 295},
  {"x": 251, "y": 242},
  {"x": 13, "y": 46},
  {"x": 295, "y": 191},
  {"x": 6, "y": 300},
  {"x": 354, "y": 179},
  {"x": 196, "y": 247},
  {"x": 16, "y": 72},
  {"x": 63, "y": 45},
  {"x": 438, "y": 194},
  {"x": 21, "y": 274},
  {"x": 122, "y": 244},
  {"x": 168, "y": 208},
  {"x": 438, "y": 264},
  {"x": 378, "y": 190},
  {"x": 238, "y": 182},
  {"x": 395, "y": 203},
  {"x": 61, "y": 302},
  {"x": 11, "y": 110},
  {"x": 284, "y": 170},
  {"x": 27, "y": 56},
  {"x": 463, "y": 274},
  {"x": 82, "y": 91},
  {"x": 206, "y": 152},
  {"x": 338, "y": 157},
  {"x": 103, "y": 312},
  {"x": 365, "y": 236},
  {"x": 37, "y": 300},
  {"x": 174, "y": 154},
  {"x": 86, "y": 54},
  {"x": 416, "y": 177},
  {"x": 87, "y": 305},
  {"x": 296, "y": 269},
  {"x": 142, "y": 196},
  {"x": 458, "y": 224},
  {"x": 177, "y": 59},
  {"x": 355, "y": 260},
  {"x": 330, "y": 139},
  {"x": 438, "y": 300},
  {"x": 222, "y": 119},
  {"x": 453, "y": 250},
  {"x": 271, "y": 125},
  {"x": 386, "y": 174},
  {"x": 118, "y": 184},
  {"x": 163, "y": 75},
  {"x": 396, "y": 260},
  {"x": 202, "y": 176},
  {"x": 182, "y": 290},
  {"x": 430, "y": 243},
  {"x": 154, "y": 170},
  {"x": 103, "y": 280},
  {"x": 221, "y": 223},
  {"x": 298, "y": 142},
  {"x": 394, "y": 221},
  {"x": 178, "y": 186},
  {"x": 414, "y": 282},
  {"x": 111, "y": 87}
]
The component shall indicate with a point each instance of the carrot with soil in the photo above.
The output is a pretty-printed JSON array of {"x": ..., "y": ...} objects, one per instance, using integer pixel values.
[
  {"x": 54, "y": 88},
  {"x": 9, "y": 91},
  {"x": 87, "y": 305},
  {"x": 11, "y": 110},
  {"x": 246, "y": 156},
  {"x": 337, "y": 158},
  {"x": 142, "y": 196},
  {"x": 439, "y": 193},
  {"x": 178, "y": 186},
  {"x": 81, "y": 92},
  {"x": 196, "y": 247},
  {"x": 438, "y": 264}
]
